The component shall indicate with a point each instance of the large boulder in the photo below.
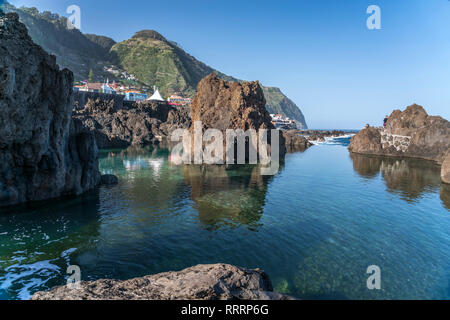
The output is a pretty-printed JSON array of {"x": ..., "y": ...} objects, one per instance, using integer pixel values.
[
  {"x": 409, "y": 133},
  {"x": 201, "y": 282},
  {"x": 224, "y": 105},
  {"x": 295, "y": 142},
  {"x": 43, "y": 153},
  {"x": 445, "y": 169}
]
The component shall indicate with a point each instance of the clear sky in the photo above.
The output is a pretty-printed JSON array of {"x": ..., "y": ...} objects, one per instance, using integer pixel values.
[{"x": 319, "y": 52}]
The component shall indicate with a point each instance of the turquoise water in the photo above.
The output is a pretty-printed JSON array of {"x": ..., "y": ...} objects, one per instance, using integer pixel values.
[{"x": 314, "y": 227}]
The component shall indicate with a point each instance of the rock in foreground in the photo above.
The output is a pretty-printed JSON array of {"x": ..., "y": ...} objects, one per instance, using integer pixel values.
[
  {"x": 409, "y": 133},
  {"x": 201, "y": 282},
  {"x": 43, "y": 153}
]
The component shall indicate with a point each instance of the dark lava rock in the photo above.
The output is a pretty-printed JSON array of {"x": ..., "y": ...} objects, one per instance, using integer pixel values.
[
  {"x": 144, "y": 123},
  {"x": 430, "y": 135},
  {"x": 201, "y": 282},
  {"x": 224, "y": 105},
  {"x": 295, "y": 142},
  {"x": 43, "y": 153},
  {"x": 109, "y": 179}
]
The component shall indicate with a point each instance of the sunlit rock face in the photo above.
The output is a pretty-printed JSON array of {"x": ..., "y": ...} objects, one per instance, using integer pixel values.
[
  {"x": 224, "y": 105},
  {"x": 413, "y": 133},
  {"x": 43, "y": 153}
]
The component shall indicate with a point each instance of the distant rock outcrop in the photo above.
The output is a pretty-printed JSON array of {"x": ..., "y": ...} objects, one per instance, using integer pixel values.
[
  {"x": 295, "y": 142},
  {"x": 411, "y": 133},
  {"x": 201, "y": 282},
  {"x": 144, "y": 123},
  {"x": 43, "y": 152}
]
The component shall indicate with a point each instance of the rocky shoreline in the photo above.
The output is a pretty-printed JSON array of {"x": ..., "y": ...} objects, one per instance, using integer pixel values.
[
  {"x": 320, "y": 135},
  {"x": 410, "y": 133},
  {"x": 201, "y": 282}
]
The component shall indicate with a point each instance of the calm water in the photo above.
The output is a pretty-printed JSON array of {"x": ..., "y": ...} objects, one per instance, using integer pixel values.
[{"x": 315, "y": 227}]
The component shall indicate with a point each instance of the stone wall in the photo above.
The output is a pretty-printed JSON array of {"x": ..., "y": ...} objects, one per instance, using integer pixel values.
[{"x": 400, "y": 143}]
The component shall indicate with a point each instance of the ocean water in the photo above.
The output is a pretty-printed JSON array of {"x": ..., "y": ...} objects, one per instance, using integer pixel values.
[{"x": 315, "y": 227}]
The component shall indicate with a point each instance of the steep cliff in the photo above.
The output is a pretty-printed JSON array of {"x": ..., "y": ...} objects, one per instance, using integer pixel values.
[
  {"x": 409, "y": 133},
  {"x": 73, "y": 50},
  {"x": 277, "y": 102},
  {"x": 43, "y": 153}
]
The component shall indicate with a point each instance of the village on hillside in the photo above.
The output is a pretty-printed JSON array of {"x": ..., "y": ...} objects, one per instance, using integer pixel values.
[
  {"x": 137, "y": 94},
  {"x": 127, "y": 89}
]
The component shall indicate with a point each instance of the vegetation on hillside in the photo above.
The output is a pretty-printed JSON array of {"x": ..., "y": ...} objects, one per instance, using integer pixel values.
[
  {"x": 152, "y": 59},
  {"x": 277, "y": 102},
  {"x": 72, "y": 49}
]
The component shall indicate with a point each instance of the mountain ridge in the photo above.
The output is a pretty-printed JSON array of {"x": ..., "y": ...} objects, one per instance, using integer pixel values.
[{"x": 148, "y": 55}]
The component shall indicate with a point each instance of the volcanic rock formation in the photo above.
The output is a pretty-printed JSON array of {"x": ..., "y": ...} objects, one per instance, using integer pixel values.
[
  {"x": 224, "y": 105},
  {"x": 43, "y": 153},
  {"x": 141, "y": 124},
  {"x": 411, "y": 133},
  {"x": 201, "y": 282}
]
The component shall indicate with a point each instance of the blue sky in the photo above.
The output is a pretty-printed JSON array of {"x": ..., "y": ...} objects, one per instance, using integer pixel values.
[{"x": 319, "y": 52}]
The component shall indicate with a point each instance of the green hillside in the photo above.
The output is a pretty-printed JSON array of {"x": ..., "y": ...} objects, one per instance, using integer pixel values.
[
  {"x": 155, "y": 61},
  {"x": 148, "y": 56},
  {"x": 73, "y": 50},
  {"x": 277, "y": 102}
]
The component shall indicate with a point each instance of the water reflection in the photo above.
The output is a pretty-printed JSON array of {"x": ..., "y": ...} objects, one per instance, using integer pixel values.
[
  {"x": 411, "y": 178},
  {"x": 222, "y": 196},
  {"x": 227, "y": 195},
  {"x": 445, "y": 197}
]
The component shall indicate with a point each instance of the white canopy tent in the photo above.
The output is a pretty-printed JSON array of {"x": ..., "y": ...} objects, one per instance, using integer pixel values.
[{"x": 156, "y": 96}]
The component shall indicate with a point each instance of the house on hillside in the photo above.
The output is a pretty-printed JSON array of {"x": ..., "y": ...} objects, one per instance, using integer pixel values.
[
  {"x": 135, "y": 96},
  {"x": 177, "y": 100}
]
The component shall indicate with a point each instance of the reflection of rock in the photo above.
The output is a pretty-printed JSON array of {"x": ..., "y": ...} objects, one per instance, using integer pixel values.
[
  {"x": 43, "y": 153},
  {"x": 366, "y": 166},
  {"x": 445, "y": 195},
  {"x": 445, "y": 170},
  {"x": 201, "y": 282},
  {"x": 414, "y": 134},
  {"x": 109, "y": 179},
  {"x": 411, "y": 177},
  {"x": 227, "y": 195}
]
